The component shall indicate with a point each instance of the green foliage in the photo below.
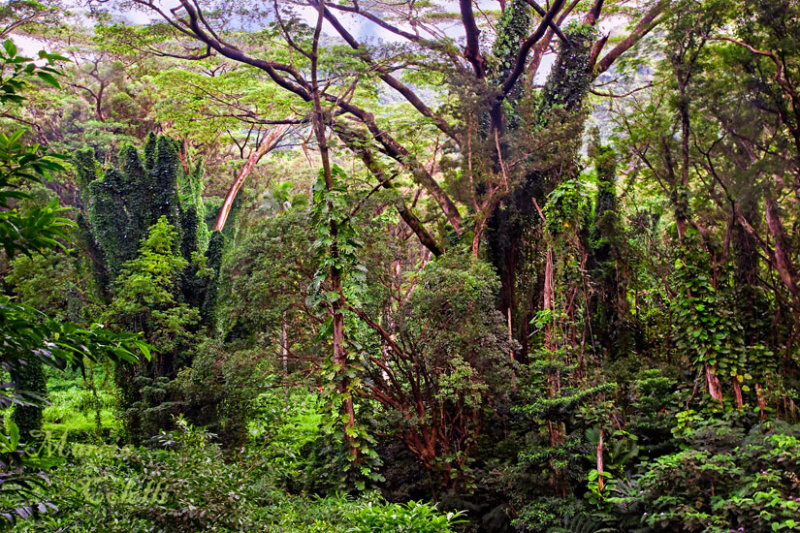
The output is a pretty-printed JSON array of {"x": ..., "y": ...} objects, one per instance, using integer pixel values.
[
  {"x": 39, "y": 228},
  {"x": 751, "y": 484},
  {"x": 150, "y": 279},
  {"x": 16, "y": 71},
  {"x": 124, "y": 203},
  {"x": 513, "y": 28},
  {"x": 567, "y": 207},
  {"x": 452, "y": 321},
  {"x": 265, "y": 276},
  {"x": 146, "y": 300},
  {"x": 411, "y": 517},
  {"x": 705, "y": 327},
  {"x": 30, "y": 338},
  {"x": 331, "y": 218},
  {"x": 81, "y": 407},
  {"x": 185, "y": 484},
  {"x": 29, "y": 377},
  {"x": 570, "y": 80},
  {"x": 148, "y": 218},
  {"x": 567, "y": 391},
  {"x": 285, "y": 435},
  {"x": 19, "y": 485},
  {"x": 450, "y": 368}
]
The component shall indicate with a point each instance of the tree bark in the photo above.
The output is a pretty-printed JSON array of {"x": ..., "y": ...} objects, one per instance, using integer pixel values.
[
  {"x": 714, "y": 387},
  {"x": 266, "y": 145},
  {"x": 600, "y": 481},
  {"x": 783, "y": 262},
  {"x": 338, "y": 305}
]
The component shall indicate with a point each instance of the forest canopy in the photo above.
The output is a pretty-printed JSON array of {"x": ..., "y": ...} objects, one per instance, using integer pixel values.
[{"x": 376, "y": 266}]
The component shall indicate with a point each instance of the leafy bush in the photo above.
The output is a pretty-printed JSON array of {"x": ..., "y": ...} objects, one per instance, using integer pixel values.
[
  {"x": 186, "y": 483},
  {"x": 719, "y": 486},
  {"x": 411, "y": 517}
]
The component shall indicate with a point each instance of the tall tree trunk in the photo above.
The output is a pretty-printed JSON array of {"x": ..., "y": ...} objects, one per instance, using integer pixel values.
[
  {"x": 782, "y": 254},
  {"x": 753, "y": 307},
  {"x": 285, "y": 360},
  {"x": 682, "y": 207},
  {"x": 338, "y": 305},
  {"x": 600, "y": 481},
  {"x": 608, "y": 305},
  {"x": 513, "y": 224}
]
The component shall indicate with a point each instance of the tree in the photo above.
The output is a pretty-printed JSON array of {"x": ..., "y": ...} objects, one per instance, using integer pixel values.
[
  {"x": 30, "y": 338},
  {"x": 159, "y": 265},
  {"x": 445, "y": 367},
  {"x": 477, "y": 83},
  {"x": 292, "y": 78},
  {"x": 709, "y": 142}
]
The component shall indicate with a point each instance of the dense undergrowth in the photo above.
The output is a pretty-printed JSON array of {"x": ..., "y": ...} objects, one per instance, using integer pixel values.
[
  {"x": 183, "y": 481},
  {"x": 259, "y": 275}
]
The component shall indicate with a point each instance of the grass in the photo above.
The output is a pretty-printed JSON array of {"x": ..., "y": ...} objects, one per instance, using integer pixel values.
[{"x": 73, "y": 406}]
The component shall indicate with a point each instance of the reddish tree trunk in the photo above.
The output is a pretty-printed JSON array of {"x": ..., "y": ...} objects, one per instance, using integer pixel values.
[
  {"x": 268, "y": 144},
  {"x": 714, "y": 387},
  {"x": 782, "y": 255},
  {"x": 737, "y": 391},
  {"x": 600, "y": 482}
]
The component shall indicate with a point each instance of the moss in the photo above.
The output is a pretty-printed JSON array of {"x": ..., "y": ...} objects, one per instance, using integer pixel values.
[
  {"x": 570, "y": 79},
  {"x": 125, "y": 206}
]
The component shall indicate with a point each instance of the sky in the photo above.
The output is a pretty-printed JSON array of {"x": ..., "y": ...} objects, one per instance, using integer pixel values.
[
  {"x": 363, "y": 29},
  {"x": 358, "y": 26}
]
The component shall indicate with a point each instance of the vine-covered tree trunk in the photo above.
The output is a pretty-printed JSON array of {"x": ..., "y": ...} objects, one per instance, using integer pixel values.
[
  {"x": 338, "y": 304},
  {"x": 514, "y": 226},
  {"x": 146, "y": 221},
  {"x": 608, "y": 305},
  {"x": 28, "y": 376}
]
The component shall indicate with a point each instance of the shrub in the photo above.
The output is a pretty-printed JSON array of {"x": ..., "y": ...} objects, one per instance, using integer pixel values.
[
  {"x": 711, "y": 489},
  {"x": 411, "y": 517}
]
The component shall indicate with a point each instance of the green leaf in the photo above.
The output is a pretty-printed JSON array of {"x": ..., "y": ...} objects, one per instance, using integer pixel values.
[
  {"x": 10, "y": 47},
  {"x": 48, "y": 79}
]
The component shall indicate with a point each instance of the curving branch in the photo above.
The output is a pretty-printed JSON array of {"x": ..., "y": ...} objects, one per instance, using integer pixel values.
[
  {"x": 472, "y": 52},
  {"x": 400, "y": 153},
  {"x": 384, "y": 75},
  {"x": 289, "y": 78},
  {"x": 358, "y": 144},
  {"x": 611, "y": 94},
  {"x": 525, "y": 48},
  {"x": 269, "y": 143},
  {"x": 355, "y": 9},
  {"x": 650, "y": 20}
]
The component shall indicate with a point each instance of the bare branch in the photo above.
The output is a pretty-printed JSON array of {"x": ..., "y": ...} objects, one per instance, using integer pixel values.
[
  {"x": 553, "y": 24},
  {"x": 472, "y": 52},
  {"x": 390, "y": 80},
  {"x": 356, "y": 9},
  {"x": 610, "y": 94},
  {"x": 649, "y": 21}
]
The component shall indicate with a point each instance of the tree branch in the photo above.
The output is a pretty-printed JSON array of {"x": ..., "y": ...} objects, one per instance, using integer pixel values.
[
  {"x": 522, "y": 55},
  {"x": 649, "y": 21},
  {"x": 472, "y": 52},
  {"x": 553, "y": 24},
  {"x": 390, "y": 80}
]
